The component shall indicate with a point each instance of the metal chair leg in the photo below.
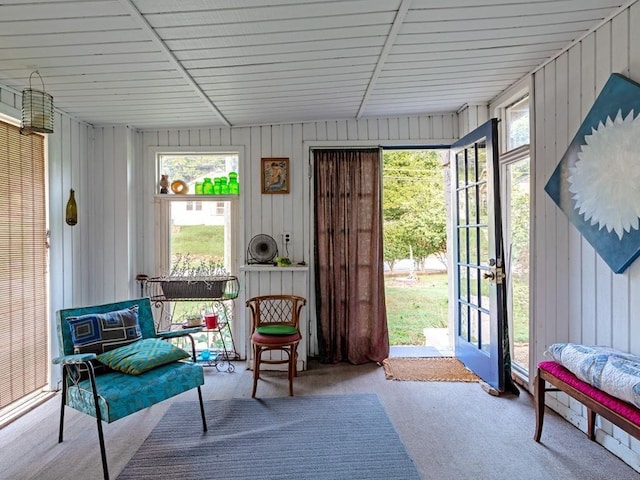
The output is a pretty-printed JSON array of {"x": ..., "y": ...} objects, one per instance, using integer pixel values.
[
  {"x": 204, "y": 420},
  {"x": 103, "y": 450},
  {"x": 63, "y": 403}
]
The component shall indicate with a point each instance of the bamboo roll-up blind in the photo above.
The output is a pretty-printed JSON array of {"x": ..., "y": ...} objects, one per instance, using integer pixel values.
[{"x": 23, "y": 265}]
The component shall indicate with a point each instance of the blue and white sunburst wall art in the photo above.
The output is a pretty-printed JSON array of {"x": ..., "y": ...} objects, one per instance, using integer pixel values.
[{"x": 597, "y": 182}]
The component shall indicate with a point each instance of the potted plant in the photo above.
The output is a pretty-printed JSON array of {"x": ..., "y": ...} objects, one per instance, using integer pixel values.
[{"x": 204, "y": 279}]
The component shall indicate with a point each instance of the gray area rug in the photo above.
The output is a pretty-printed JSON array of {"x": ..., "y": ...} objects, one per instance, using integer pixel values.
[{"x": 328, "y": 437}]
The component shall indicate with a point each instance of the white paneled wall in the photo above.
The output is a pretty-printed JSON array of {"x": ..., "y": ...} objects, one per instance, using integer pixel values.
[
  {"x": 577, "y": 298},
  {"x": 274, "y": 214}
]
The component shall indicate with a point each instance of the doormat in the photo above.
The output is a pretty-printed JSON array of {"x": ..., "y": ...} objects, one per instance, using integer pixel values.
[{"x": 432, "y": 369}]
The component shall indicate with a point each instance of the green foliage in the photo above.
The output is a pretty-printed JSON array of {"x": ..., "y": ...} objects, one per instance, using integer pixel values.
[{"x": 413, "y": 204}]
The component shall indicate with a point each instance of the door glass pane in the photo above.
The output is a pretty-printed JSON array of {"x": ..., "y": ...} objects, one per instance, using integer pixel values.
[
  {"x": 473, "y": 285},
  {"x": 483, "y": 204},
  {"x": 474, "y": 334},
  {"x": 485, "y": 337},
  {"x": 461, "y": 180},
  {"x": 472, "y": 167},
  {"x": 463, "y": 256},
  {"x": 485, "y": 286},
  {"x": 471, "y": 201},
  {"x": 462, "y": 207},
  {"x": 483, "y": 252},
  {"x": 464, "y": 319},
  {"x": 482, "y": 161},
  {"x": 473, "y": 245},
  {"x": 464, "y": 282}
]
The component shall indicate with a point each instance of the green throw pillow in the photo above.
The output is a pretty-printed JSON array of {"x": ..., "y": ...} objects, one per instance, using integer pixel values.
[
  {"x": 141, "y": 356},
  {"x": 277, "y": 330}
]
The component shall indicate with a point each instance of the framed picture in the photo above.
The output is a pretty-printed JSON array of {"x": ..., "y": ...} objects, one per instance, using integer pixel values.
[{"x": 275, "y": 175}]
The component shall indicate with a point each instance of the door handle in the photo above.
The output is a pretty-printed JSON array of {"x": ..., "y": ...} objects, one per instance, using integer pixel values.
[{"x": 489, "y": 275}]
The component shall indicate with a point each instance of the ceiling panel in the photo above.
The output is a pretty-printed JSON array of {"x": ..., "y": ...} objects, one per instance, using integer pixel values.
[{"x": 170, "y": 63}]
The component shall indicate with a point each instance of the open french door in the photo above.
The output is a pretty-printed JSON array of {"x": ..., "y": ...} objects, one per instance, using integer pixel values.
[{"x": 479, "y": 286}]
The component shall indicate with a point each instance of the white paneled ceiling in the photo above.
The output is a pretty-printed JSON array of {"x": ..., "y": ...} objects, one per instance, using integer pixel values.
[{"x": 180, "y": 63}]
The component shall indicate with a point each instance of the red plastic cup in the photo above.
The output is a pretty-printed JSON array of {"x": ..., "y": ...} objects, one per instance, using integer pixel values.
[{"x": 211, "y": 320}]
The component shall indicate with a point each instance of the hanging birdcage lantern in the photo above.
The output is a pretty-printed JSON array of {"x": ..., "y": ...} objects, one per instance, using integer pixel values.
[{"x": 37, "y": 109}]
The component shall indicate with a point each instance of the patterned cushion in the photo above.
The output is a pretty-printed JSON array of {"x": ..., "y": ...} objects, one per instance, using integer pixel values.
[
  {"x": 621, "y": 378},
  {"x": 612, "y": 371},
  {"x": 100, "y": 332},
  {"x": 121, "y": 394},
  {"x": 142, "y": 356}
]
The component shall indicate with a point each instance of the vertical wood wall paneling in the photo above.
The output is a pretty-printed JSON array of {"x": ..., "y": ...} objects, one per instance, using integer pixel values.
[
  {"x": 600, "y": 307},
  {"x": 308, "y": 133},
  {"x": 562, "y": 223},
  {"x": 108, "y": 226},
  {"x": 551, "y": 210},
  {"x": 589, "y": 294},
  {"x": 634, "y": 269},
  {"x": 604, "y": 275},
  {"x": 566, "y": 283},
  {"x": 574, "y": 118},
  {"x": 620, "y": 301},
  {"x": 96, "y": 222},
  {"x": 540, "y": 220}
]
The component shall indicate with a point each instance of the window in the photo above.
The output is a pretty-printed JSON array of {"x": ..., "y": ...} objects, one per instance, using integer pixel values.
[
  {"x": 517, "y": 123},
  {"x": 23, "y": 267},
  {"x": 199, "y": 228}
]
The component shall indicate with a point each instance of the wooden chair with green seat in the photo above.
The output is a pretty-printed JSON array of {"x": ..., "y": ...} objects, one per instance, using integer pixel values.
[{"x": 275, "y": 326}]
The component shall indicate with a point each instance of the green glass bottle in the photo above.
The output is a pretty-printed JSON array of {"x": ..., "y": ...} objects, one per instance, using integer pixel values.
[
  {"x": 234, "y": 186},
  {"x": 207, "y": 186},
  {"x": 224, "y": 187},
  {"x": 216, "y": 186},
  {"x": 199, "y": 188},
  {"x": 71, "y": 214}
]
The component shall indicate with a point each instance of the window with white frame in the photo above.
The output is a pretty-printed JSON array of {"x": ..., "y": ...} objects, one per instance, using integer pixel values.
[
  {"x": 516, "y": 119},
  {"x": 200, "y": 227}
]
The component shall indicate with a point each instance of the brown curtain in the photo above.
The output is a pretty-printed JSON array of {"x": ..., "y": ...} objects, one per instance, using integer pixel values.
[{"x": 352, "y": 318}]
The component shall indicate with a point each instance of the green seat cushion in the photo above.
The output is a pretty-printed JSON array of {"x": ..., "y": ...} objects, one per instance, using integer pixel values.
[
  {"x": 142, "y": 356},
  {"x": 277, "y": 330}
]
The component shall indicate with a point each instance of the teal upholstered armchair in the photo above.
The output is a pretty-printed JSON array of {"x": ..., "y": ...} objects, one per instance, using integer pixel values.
[{"x": 115, "y": 363}]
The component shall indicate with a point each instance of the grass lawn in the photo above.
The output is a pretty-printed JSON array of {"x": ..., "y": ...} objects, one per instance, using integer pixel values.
[
  {"x": 411, "y": 307},
  {"x": 204, "y": 242}
]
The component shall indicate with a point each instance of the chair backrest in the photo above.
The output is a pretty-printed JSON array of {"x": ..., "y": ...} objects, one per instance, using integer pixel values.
[
  {"x": 145, "y": 319},
  {"x": 275, "y": 310}
]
